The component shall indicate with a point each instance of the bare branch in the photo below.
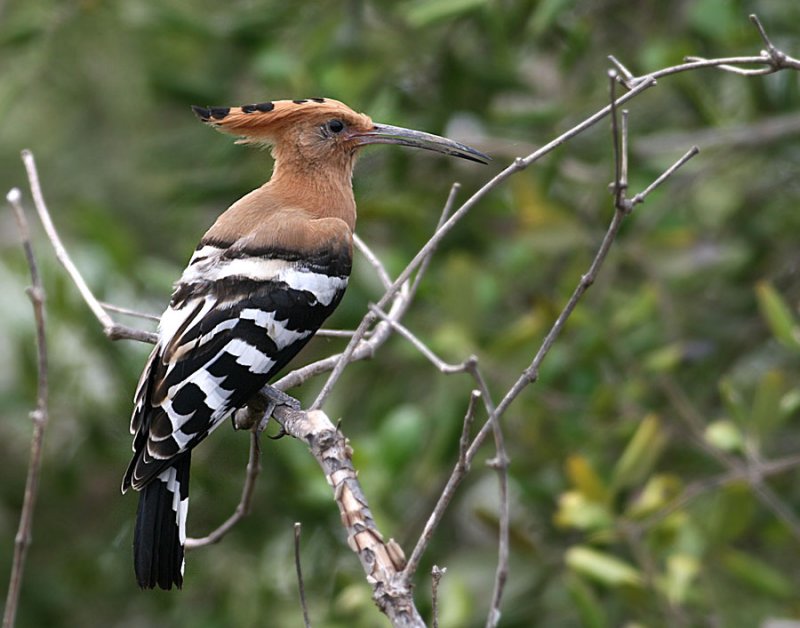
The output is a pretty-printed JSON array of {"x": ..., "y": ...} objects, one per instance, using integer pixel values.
[
  {"x": 401, "y": 329},
  {"x": 39, "y": 417},
  {"x": 373, "y": 260},
  {"x": 111, "y": 329},
  {"x": 300, "y": 584},
  {"x": 129, "y": 312},
  {"x": 382, "y": 560},
  {"x": 531, "y": 374},
  {"x": 436, "y": 576},
  {"x": 446, "y": 211},
  {"x": 500, "y": 464},
  {"x": 448, "y": 492},
  {"x": 639, "y": 198},
  {"x": 620, "y": 171}
]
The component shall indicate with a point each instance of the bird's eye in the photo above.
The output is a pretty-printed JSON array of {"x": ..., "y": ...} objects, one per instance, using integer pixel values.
[{"x": 335, "y": 126}]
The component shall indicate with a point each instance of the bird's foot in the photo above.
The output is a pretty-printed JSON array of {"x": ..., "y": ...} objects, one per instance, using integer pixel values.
[
  {"x": 279, "y": 398},
  {"x": 257, "y": 413},
  {"x": 275, "y": 398}
]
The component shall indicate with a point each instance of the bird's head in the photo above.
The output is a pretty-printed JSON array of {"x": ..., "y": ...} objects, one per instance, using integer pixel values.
[{"x": 321, "y": 131}]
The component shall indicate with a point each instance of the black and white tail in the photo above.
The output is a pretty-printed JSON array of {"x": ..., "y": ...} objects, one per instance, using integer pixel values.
[{"x": 160, "y": 531}]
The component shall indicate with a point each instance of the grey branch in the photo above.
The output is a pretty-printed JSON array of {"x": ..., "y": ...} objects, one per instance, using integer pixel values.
[
  {"x": 382, "y": 561},
  {"x": 298, "y": 568},
  {"x": 39, "y": 417}
]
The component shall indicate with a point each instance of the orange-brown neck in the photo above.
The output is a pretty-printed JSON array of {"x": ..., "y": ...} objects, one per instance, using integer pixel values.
[
  {"x": 324, "y": 189},
  {"x": 304, "y": 206}
]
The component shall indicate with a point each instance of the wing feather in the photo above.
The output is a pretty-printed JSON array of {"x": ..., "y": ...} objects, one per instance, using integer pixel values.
[{"x": 232, "y": 324}]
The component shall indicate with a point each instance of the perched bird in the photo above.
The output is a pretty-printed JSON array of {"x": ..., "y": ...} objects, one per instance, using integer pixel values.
[{"x": 262, "y": 280}]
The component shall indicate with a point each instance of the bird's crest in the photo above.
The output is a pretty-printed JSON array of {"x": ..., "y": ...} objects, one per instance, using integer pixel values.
[{"x": 263, "y": 121}]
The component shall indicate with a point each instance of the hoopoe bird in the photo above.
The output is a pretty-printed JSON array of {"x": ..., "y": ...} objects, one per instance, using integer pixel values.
[{"x": 261, "y": 282}]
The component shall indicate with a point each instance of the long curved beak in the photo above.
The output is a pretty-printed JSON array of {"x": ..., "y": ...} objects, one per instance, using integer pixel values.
[{"x": 388, "y": 134}]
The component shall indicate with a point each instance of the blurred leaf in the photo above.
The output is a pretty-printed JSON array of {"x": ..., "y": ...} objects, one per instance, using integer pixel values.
[
  {"x": 766, "y": 415},
  {"x": 778, "y": 315},
  {"x": 547, "y": 13},
  {"x": 714, "y": 18},
  {"x": 659, "y": 491},
  {"x": 724, "y": 435},
  {"x": 641, "y": 454},
  {"x": 601, "y": 567},
  {"x": 352, "y": 599},
  {"x": 733, "y": 400},
  {"x": 400, "y": 436},
  {"x": 682, "y": 571},
  {"x": 588, "y": 606},
  {"x": 790, "y": 403},
  {"x": 760, "y": 576},
  {"x": 576, "y": 511},
  {"x": 456, "y": 602},
  {"x": 585, "y": 479},
  {"x": 665, "y": 358},
  {"x": 421, "y": 13},
  {"x": 730, "y": 513}
]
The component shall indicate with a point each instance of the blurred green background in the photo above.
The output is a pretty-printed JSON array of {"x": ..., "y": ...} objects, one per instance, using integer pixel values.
[{"x": 643, "y": 479}]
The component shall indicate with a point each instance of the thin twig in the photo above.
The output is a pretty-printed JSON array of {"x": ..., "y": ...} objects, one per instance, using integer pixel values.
[
  {"x": 335, "y": 333},
  {"x": 436, "y": 576},
  {"x": 426, "y": 351},
  {"x": 300, "y": 584},
  {"x": 373, "y": 260},
  {"x": 618, "y": 190},
  {"x": 39, "y": 417},
  {"x": 641, "y": 196},
  {"x": 448, "y": 492},
  {"x": 445, "y": 214},
  {"x": 500, "y": 464},
  {"x": 531, "y": 374},
  {"x": 129, "y": 312},
  {"x": 111, "y": 329},
  {"x": 245, "y": 503}
]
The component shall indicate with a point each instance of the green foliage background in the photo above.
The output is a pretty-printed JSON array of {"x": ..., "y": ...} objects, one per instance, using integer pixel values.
[{"x": 694, "y": 320}]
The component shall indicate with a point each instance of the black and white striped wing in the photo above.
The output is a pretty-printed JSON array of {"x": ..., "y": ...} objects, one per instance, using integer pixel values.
[{"x": 232, "y": 324}]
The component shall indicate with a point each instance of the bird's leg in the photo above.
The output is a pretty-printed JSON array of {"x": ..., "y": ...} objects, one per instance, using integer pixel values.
[
  {"x": 256, "y": 414},
  {"x": 274, "y": 398},
  {"x": 246, "y": 417}
]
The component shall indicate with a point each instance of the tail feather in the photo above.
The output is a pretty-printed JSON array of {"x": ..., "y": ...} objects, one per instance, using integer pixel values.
[{"x": 160, "y": 531}]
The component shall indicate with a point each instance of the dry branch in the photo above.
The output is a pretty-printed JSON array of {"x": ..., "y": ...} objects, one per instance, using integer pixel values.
[{"x": 39, "y": 417}]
